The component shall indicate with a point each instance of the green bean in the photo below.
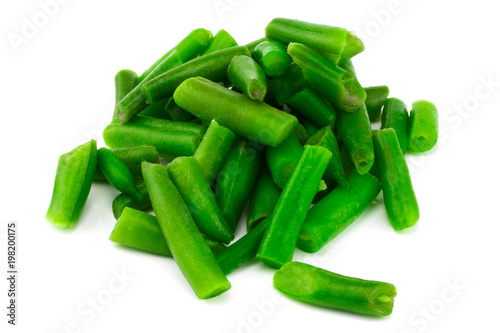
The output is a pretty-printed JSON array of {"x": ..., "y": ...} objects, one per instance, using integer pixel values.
[
  {"x": 317, "y": 36},
  {"x": 141, "y": 231},
  {"x": 188, "y": 48},
  {"x": 252, "y": 45},
  {"x": 273, "y": 58},
  {"x": 399, "y": 198},
  {"x": 263, "y": 199},
  {"x": 282, "y": 159},
  {"x": 134, "y": 102},
  {"x": 280, "y": 239},
  {"x": 75, "y": 171},
  {"x": 213, "y": 149},
  {"x": 423, "y": 126},
  {"x": 289, "y": 84},
  {"x": 235, "y": 180},
  {"x": 245, "y": 74},
  {"x": 212, "y": 66},
  {"x": 176, "y": 112},
  {"x": 222, "y": 40},
  {"x": 355, "y": 131},
  {"x": 325, "y": 138},
  {"x": 375, "y": 99},
  {"x": 194, "y": 188},
  {"x": 395, "y": 116},
  {"x": 314, "y": 285},
  {"x": 311, "y": 105},
  {"x": 243, "y": 250},
  {"x": 191, "y": 253},
  {"x": 169, "y": 126},
  {"x": 124, "y": 200},
  {"x": 257, "y": 121},
  {"x": 302, "y": 134},
  {"x": 333, "y": 214},
  {"x": 156, "y": 110},
  {"x": 353, "y": 46},
  {"x": 125, "y": 81}
]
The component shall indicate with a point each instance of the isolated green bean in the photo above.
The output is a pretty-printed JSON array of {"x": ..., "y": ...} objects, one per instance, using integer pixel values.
[
  {"x": 253, "y": 120},
  {"x": 124, "y": 200},
  {"x": 191, "y": 253},
  {"x": 263, "y": 199},
  {"x": 399, "y": 198},
  {"x": 282, "y": 159},
  {"x": 213, "y": 149},
  {"x": 156, "y": 110},
  {"x": 188, "y": 48},
  {"x": 280, "y": 239},
  {"x": 222, "y": 40},
  {"x": 325, "y": 138},
  {"x": 235, "y": 180},
  {"x": 176, "y": 112},
  {"x": 302, "y": 134},
  {"x": 195, "y": 190},
  {"x": 289, "y": 84},
  {"x": 395, "y": 116},
  {"x": 423, "y": 126},
  {"x": 247, "y": 76},
  {"x": 74, "y": 175},
  {"x": 314, "y": 285},
  {"x": 311, "y": 105},
  {"x": 355, "y": 131},
  {"x": 125, "y": 81},
  {"x": 334, "y": 213},
  {"x": 212, "y": 66},
  {"x": 353, "y": 46},
  {"x": 272, "y": 57},
  {"x": 375, "y": 99}
]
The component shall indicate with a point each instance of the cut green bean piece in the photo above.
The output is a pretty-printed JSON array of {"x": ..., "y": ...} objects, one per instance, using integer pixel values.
[
  {"x": 193, "y": 256},
  {"x": 395, "y": 116},
  {"x": 375, "y": 99},
  {"x": 399, "y": 198},
  {"x": 279, "y": 241},
  {"x": 212, "y": 66},
  {"x": 245, "y": 74},
  {"x": 188, "y": 48},
  {"x": 302, "y": 134},
  {"x": 125, "y": 81},
  {"x": 75, "y": 171},
  {"x": 313, "y": 285},
  {"x": 333, "y": 214},
  {"x": 325, "y": 138},
  {"x": 264, "y": 197},
  {"x": 195, "y": 190},
  {"x": 253, "y": 120},
  {"x": 243, "y": 250},
  {"x": 311, "y": 105},
  {"x": 123, "y": 200},
  {"x": 213, "y": 149},
  {"x": 319, "y": 37},
  {"x": 282, "y": 159},
  {"x": 236, "y": 178},
  {"x": 353, "y": 46},
  {"x": 176, "y": 112},
  {"x": 273, "y": 58},
  {"x": 222, "y": 40},
  {"x": 169, "y": 126},
  {"x": 289, "y": 84},
  {"x": 141, "y": 231},
  {"x": 355, "y": 131},
  {"x": 156, "y": 110},
  {"x": 423, "y": 126}
]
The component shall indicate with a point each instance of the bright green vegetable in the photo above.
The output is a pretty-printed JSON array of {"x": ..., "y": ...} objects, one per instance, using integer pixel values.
[
  {"x": 74, "y": 175},
  {"x": 333, "y": 214},
  {"x": 302, "y": 134},
  {"x": 282, "y": 159},
  {"x": 273, "y": 58},
  {"x": 395, "y": 116},
  {"x": 355, "y": 131},
  {"x": 176, "y": 112},
  {"x": 289, "y": 84},
  {"x": 156, "y": 110},
  {"x": 399, "y": 198},
  {"x": 325, "y": 138},
  {"x": 191, "y": 253},
  {"x": 212, "y": 66},
  {"x": 194, "y": 188},
  {"x": 125, "y": 81},
  {"x": 375, "y": 99},
  {"x": 257, "y": 121},
  {"x": 264, "y": 197},
  {"x": 314, "y": 107},
  {"x": 222, "y": 40},
  {"x": 317, "y": 286},
  {"x": 188, "y": 48},
  {"x": 353, "y": 46},
  {"x": 423, "y": 126},
  {"x": 245, "y": 74},
  {"x": 280, "y": 239},
  {"x": 235, "y": 180},
  {"x": 141, "y": 231},
  {"x": 213, "y": 149},
  {"x": 124, "y": 200}
]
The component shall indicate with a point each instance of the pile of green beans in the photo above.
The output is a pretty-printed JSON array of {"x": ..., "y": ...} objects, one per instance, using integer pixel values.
[{"x": 282, "y": 124}]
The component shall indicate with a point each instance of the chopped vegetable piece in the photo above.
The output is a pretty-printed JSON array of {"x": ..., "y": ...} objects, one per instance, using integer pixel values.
[
  {"x": 423, "y": 126},
  {"x": 273, "y": 58},
  {"x": 395, "y": 116},
  {"x": 375, "y": 99},
  {"x": 125, "y": 81},
  {"x": 245, "y": 74},
  {"x": 282, "y": 159},
  {"x": 353, "y": 46},
  {"x": 314, "y": 107},
  {"x": 264, "y": 197},
  {"x": 222, "y": 40}
]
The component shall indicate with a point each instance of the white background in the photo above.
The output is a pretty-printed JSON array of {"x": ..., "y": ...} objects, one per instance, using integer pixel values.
[{"x": 57, "y": 92}]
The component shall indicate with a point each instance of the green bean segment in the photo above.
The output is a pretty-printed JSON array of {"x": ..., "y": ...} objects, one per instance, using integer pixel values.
[
  {"x": 375, "y": 99},
  {"x": 282, "y": 159},
  {"x": 311, "y": 105},
  {"x": 256, "y": 121},
  {"x": 314, "y": 285},
  {"x": 124, "y": 200},
  {"x": 395, "y": 116},
  {"x": 245, "y": 74},
  {"x": 222, "y": 40},
  {"x": 279, "y": 241},
  {"x": 125, "y": 81},
  {"x": 263, "y": 200},
  {"x": 353, "y": 46},
  {"x": 423, "y": 126},
  {"x": 273, "y": 58}
]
